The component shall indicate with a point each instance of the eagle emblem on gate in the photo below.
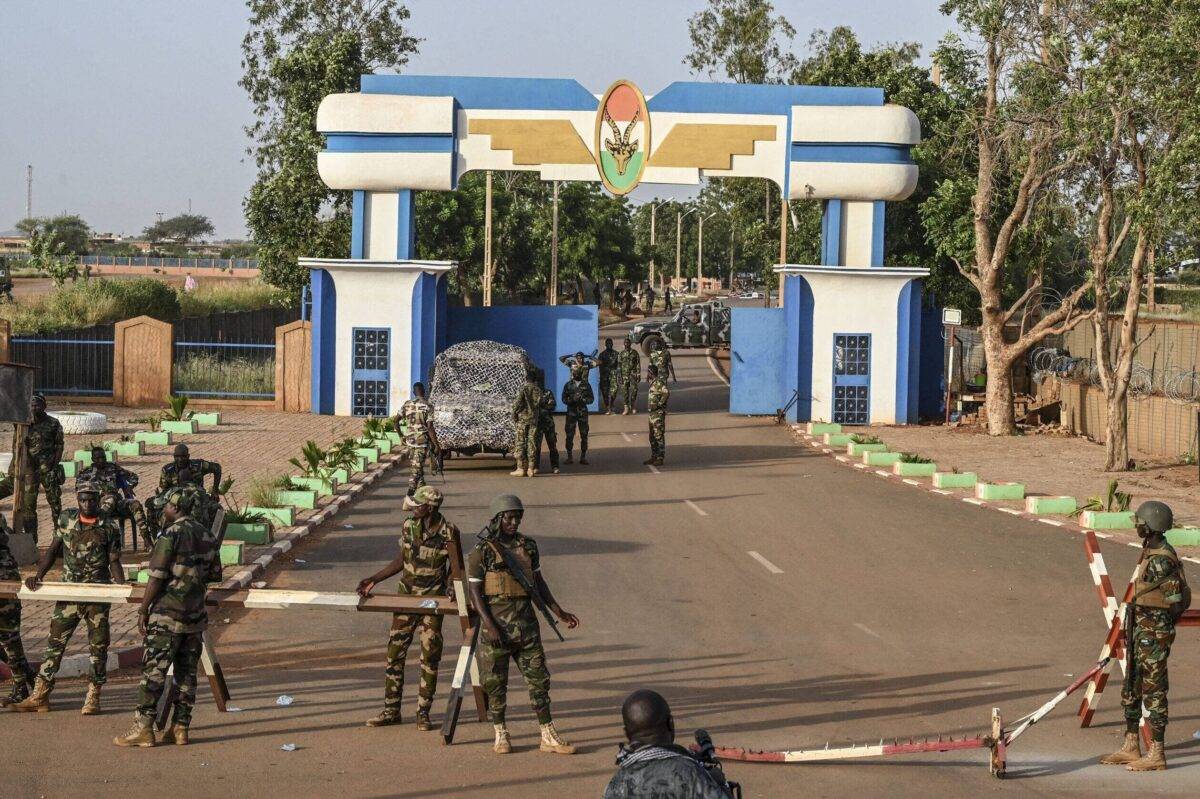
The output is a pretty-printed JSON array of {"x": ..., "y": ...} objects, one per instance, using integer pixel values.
[{"x": 622, "y": 137}]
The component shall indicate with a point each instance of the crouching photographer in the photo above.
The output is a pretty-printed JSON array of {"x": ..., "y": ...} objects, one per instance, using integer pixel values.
[{"x": 652, "y": 765}]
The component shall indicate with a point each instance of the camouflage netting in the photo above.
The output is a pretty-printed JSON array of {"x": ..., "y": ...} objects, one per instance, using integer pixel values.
[{"x": 472, "y": 392}]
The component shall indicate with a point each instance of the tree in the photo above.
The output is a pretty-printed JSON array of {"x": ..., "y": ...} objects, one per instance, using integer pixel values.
[
  {"x": 69, "y": 233},
  {"x": 743, "y": 39},
  {"x": 295, "y": 53},
  {"x": 49, "y": 253},
  {"x": 183, "y": 229}
]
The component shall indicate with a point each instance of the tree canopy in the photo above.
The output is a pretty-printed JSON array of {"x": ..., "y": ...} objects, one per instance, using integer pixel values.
[{"x": 183, "y": 229}]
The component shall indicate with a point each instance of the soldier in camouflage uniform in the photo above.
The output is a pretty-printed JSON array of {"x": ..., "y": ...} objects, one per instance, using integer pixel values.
[
  {"x": 173, "y": 618},
  {"x": 525, "y": 412},
  {"x": 12, "y": 651},
  {"x": 116, "y": 493},
  {"x": 43, "y": 451},
  {"x": 182, "y": 470},
  {"x": 423, "y": 564},
  {"x": 1160, "y": 596},
  {"x": 656, "y": 401},
  {"x": 580, "y": 365},
  {"x": 510, "y": 627},
  {"x": 90, "y": 545},
  {"x": 415, "y": 419},
  {"x": 609, "y": 381},
  {"x": 629, "y": 364},
  {"x": 660, "y": 358},
  {"x": 545, "y": 428},
  {"x": 577, "y": 396}
]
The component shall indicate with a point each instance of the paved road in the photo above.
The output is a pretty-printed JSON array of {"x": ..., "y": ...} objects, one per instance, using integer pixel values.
[{"x": 871, "y": 610}]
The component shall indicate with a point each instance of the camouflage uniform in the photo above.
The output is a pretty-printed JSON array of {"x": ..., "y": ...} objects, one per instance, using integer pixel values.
[
  {"x": 656, "y": 400},
  {"x": 579, "y": 371},
  {"x": 630, "y": 365},
  {"x": 87, "y": 551},
  {"x": 169, "y": 478},
  {"x": 660, "y": 357},
  {"x": 609, "y": 383},
  {"x": 426, "y": 573},
  {"x": 545, "y": 428},
  {"x": 525, "y": 414},
  {"x": 653, "y": 770},
  {"x": 43, "y": 449},
  {"x": 514, "y": 613},
  {"x": 112, "y": 481},
  {"x": 186, "y": 557},
  {"x": 12, "y": 651},
  {"x": 577, "y": 396},
  {"x": 414, "y": 415},
  {"x": 1153, "y": 633}
]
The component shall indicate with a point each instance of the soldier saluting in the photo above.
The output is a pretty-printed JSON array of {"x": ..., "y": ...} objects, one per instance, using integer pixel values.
[
  {"x": 43, "y": 451},
  {"x": 506, "y": 583}
]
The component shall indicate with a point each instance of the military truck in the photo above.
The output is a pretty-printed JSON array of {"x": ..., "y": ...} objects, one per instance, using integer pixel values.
[{"x": 698, "y": 325}]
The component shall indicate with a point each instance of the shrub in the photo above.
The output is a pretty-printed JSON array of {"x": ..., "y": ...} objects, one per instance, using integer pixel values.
[
  {"x": 263, "y": 492},
  {"x": 912, "y": 457},
  {"x": 236, "y": 295},
  {"x": 204, "y": 372},
  {"x": 859, "y": 438}
]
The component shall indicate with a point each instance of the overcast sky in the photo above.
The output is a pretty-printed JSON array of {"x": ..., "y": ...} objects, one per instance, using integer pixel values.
[{"x": 126, "y": 108}]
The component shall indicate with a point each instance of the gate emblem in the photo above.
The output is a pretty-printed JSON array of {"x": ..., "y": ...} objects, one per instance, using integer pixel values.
[{"x": 622, "y": 137}]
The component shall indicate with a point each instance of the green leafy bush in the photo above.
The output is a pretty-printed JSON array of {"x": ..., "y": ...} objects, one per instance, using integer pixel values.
[
  {"x": 912, "y": 457},
  {"x": 263, "y": 493},
  {"x": 1114, "y": 500},
  {"x": 313, "y": 461},
  {"x": 859, "y": 438}
]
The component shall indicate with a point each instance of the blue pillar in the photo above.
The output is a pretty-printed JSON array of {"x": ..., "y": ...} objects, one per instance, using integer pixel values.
[
  {"x": 831, "y": 233},
  {"x": 406, "y": 225},
  {"x": 324, "y": 340},
  {"x": 358, "y": 229},
  {"x": 878, "y": 217},
  {"x": 908, "y": 352},
  {"x": 798, "y": 308}
]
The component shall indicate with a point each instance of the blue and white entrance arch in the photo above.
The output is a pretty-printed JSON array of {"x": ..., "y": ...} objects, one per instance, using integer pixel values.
[{"x": 406, "y": 133}]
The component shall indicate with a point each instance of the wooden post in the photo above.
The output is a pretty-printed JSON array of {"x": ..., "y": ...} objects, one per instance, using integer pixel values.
[
  {"x": 142, "y": 362},
  {"x": 5, "y": 335},
  {"x": 487, "y": 242},
  {"x": 293, "y": 367}
]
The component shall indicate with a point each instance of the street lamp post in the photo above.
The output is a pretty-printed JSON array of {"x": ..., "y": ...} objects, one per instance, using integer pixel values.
[
  {"x": 653, "y": 210},
  {"x": 554, "y": 251},
  {"x": 679, "y": 241},
  {"x": 700, "y": 252}
]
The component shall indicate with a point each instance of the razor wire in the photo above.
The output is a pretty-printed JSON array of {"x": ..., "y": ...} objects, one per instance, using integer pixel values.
[{"x": 472, "y": 392}]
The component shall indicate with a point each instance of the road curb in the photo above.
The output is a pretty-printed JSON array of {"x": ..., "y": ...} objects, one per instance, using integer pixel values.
[{"x": 81, "y": 665}]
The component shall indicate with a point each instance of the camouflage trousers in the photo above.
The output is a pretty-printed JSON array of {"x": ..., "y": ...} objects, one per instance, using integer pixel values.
[
  {"x": 404, "y": 627},
  {"x": 546, "y": 431},
  {"x": 658, "y": 434},
  {"x": 48, "y": 482},
  {"x": 12, "y": 651},
  {"x": 165, "y": 649},
  {"x": 130, "y": 510},
  {"x": 63, "y": 621},
  {"x": 417, "y": 456},
  {"x": 1146, "y": 677},
  {"x": 629, "y": 390},
  {"x": 531, "y": 662},
  {"x": 609, "y": 389},
  {"x": 525, "y": 448},
  {"x": 577, "y": 421}
]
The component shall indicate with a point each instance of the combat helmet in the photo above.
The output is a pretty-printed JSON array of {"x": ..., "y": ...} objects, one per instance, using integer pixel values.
[
  {"x": 1155, "y": 515},
  {"x": 504, "y": 503}
]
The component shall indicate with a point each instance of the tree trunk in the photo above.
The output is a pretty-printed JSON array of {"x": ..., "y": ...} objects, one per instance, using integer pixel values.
[
  {"x": 1150, "y": 281},
  {"x": 1116, "y": 433},
  {"x": 1001, "y": 420}
]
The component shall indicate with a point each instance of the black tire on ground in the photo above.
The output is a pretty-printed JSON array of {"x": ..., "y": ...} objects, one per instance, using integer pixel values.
[{"x": 648, "y": 344}]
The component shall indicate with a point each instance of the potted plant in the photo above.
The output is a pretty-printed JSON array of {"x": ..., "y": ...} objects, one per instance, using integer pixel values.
[
  {"x": 245, "y": 524},
  {"x": 125, "y": 445},
  {"x": 154, "y": 436},
  {"x": 1110, "y": 512},
  {"x": 344, "y": 458},
  {"x": 314, "y": 469},
  {"x": 375, "y": 431},
  {"x": 860, "y": 443},
  {"x": 389, "y": 430},
  {"x": 177, "y": 418},
  {"x": 264, "y": 499},
  {"x": 288, "y": 492},
  {"x": 913, "y": 465}
]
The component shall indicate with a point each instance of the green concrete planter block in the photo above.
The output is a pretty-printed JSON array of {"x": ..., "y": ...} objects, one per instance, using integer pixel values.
[
  {"x": 1000, "y": 491},
  {"x": 253, "y": 533},
  {"x": 301, "y": 499},
  {"x": 361, "y": 466},
  {"x": 914, "y": 469},
  {"x": 370, "y": 453},
  {"x": 880, "y": 458},
  {"x": 182, "y": 428},
  {"x": 820, "y": 428},
  {"x": 955, "y": 479},
  {"x": 340, "y": 477},
  {"x": 283, "y": 516},
  {"x": 207, "y": 418},
  {"x": 855, "y": 450},
  {"x": 153, "y": 438},
  {"x": 323, "y": 488},
  {"x": 1184, "y": 537},
  {"x": 127, "y": 448},
  {"x": 143, "y": 576},
  {"x": 1043, "y": 506},
  {"x": 69, "y": 468},
  {"x": 231, "y": 553},
  {"x": 837, "y": 439},
  {"x": 383, "y": 444},
  {"x": 84, "y": 457},
  {"x": 395, "y": 438},
  {"x": 1107, "y": 520}
]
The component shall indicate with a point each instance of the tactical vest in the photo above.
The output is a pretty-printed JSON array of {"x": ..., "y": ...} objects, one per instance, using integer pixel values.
[
  {"x": 1150, "y": 594},
  {"x": 498, "y": 581}
]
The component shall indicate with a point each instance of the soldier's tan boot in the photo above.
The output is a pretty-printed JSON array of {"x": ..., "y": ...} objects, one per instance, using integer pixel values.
[
  {"x": 1154, "y": 760},
  {"x": 553, "y": 742},
  {"x": 140, "y": 734},
  {"x": 385, "y": 718},
  {"x": 423, "y": 722},
  {"x": 91, "y": 705},
  {"x": 501, "y": 746},
  {"x": 518, "y": 472},
  {"x": 36, "y": 702},
  {"x": 1130, "y": 751},
  {"x": 176, "y": 734},
  {"x": 19, "y": 693}
]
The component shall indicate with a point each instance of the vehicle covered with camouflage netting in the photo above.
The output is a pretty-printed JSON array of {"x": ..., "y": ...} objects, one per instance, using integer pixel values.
[{"x": 472, "y": 390}]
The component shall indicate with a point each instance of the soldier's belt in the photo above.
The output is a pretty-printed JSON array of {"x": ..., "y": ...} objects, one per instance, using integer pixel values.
[{"x": 502, "y": 584}]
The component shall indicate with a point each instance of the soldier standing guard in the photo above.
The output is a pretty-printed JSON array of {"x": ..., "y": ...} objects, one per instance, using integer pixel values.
[
  {"x": 525, "y": 412},
  {"x": 424, "y": 567},
  {"x": 90, "y": 545},
  {"x": 545, "y": 426},
  {"x": 12, "y": 651},
  {"x": 1160, "y": 595},
  {"x": 416, "y": 420},
  {"x": 510, "y": 628},
  {"x": 657, "y": 403},
  {"x": 173, "y": 618},
  {"x": 660, "y": 358},
  {"x": 577, "y": 396},
  {"x": 608, "y": 376},
  {"x": 630, "y": 365},
  {"x": 43, "y": 451},
  {"x": 116, "y": 493}
]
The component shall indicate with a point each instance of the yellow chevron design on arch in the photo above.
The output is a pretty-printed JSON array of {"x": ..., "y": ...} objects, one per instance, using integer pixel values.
[
  {"x": 709, "y": 145},
  {"x": 535, "y": 141}
]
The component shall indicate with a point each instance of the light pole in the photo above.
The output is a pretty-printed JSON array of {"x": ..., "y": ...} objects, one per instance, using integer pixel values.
[
  {"x": 700, "y": 252},
  {"x": 554, "y": 250},
  {"x": 679, "y": 240},
  {"x": 653, "y": 210}
]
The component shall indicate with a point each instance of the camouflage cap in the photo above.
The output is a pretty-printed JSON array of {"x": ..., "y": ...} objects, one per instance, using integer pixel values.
[
  {"x": 425, "y": 495},
  {"x": 88, "y": 487},
  {"x": 179, "y": 497}
]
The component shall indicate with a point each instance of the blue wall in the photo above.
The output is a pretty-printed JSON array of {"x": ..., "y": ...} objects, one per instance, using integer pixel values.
[
  {"x": 931, "y": 401},
  {"x": 757, "y": 351},
  {"x": 324, "y": 339},
  {"x": 543, "y": 331},
  {"x": 798, "y": 306},
  {"x": 908, "y": 351},
  {"x": 424, "y": 326}
]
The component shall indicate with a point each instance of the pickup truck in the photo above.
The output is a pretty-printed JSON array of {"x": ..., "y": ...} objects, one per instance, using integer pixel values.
[{"x": 700, "y": 325}]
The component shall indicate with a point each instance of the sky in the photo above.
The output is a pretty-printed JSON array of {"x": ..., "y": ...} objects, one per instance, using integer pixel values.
[{"x": 129, "y": 108}]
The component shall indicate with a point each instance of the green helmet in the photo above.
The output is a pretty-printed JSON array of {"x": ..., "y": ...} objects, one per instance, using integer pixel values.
[
  {"x": 1156, "y": 515},
  {"x": 503, "y": 503}
]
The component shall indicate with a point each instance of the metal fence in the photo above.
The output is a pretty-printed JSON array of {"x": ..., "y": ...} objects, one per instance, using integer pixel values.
[
  {"x": 154, "y": 261},
  {"x": 69, "y": 362},
  {"x": 228, "y": 355}
]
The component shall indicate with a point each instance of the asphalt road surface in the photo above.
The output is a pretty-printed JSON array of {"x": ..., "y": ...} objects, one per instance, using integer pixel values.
[{"x": 775, "y": 597}]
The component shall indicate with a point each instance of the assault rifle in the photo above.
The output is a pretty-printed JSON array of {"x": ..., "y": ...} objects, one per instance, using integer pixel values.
[
  {"x": 436, "y": 462},
  {"x": 704, "y": 753},
  {"x": 487, "y": 536}
]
